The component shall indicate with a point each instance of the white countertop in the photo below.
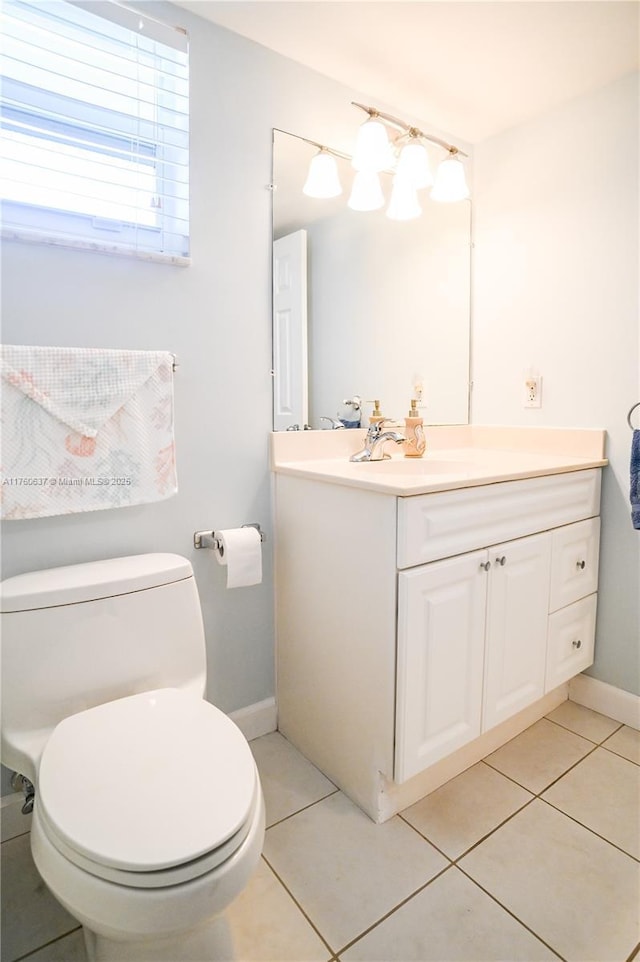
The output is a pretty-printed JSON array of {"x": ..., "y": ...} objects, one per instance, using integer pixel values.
[{"x": 456, "y": 457}]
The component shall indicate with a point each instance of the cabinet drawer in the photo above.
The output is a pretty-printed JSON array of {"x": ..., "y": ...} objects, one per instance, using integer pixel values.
[
  {"x": 574, "y": 564},
  {"x": 570, "y": 641},
  {"x": 432, "y": 526}
]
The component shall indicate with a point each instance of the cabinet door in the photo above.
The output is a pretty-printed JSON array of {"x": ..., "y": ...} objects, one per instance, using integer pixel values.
[
  {"x": 517, "y": 612},
  {"x": 441, "y": 613}
]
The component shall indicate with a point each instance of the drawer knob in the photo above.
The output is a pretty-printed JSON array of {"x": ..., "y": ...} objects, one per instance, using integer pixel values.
[
  {"x": 581, "y": 565},
  {"x": 485, "y": 565},
  {"x": 501, "y": 561},
  {"x": 577, "y": 643}
]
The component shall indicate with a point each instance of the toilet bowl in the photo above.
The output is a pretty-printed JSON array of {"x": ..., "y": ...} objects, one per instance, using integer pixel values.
[{"x": 149, "y": 817}]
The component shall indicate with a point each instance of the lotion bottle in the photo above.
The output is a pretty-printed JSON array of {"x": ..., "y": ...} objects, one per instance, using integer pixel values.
[
  {"x": 376, "y": 415},
  {"x": 415, "y": 445}
]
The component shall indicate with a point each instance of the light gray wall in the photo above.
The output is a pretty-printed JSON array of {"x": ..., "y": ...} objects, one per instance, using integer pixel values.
[
  {"x": 556, "y": 286},
  {"x": 215, "y": 315}
]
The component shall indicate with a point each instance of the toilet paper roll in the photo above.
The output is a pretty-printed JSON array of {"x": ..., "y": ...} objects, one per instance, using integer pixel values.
[{"x": 241, "y": 552}]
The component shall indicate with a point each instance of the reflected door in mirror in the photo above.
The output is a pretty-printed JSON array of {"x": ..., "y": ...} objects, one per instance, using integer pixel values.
[{"x": 290, "y": 377}]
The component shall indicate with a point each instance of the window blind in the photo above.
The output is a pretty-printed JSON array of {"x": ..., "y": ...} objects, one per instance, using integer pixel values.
[{"x": 95, "y": 118}]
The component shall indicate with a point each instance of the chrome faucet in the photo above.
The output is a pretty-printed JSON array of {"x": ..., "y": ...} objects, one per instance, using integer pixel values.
[
  {"x": 374, "y": 443},
  {"x": 334, "y": 424}
]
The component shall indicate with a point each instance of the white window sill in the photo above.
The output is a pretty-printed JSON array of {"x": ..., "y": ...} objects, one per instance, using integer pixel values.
[{"x": 34, "y": 237}]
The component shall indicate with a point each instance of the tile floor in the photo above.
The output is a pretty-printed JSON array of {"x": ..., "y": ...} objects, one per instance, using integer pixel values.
[{"x": 532, "y": 854}]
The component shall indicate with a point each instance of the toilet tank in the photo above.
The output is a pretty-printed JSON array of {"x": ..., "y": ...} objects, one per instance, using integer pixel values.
[{"x": 78, "y": 636}]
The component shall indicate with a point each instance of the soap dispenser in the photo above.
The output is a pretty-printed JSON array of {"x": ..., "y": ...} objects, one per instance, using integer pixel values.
[
  {"x": 376, "y": 415},
  {"x": 415, "y": 445}
]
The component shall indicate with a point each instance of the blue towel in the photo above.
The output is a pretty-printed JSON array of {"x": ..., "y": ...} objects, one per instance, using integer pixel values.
[{"x": 635, "y": 479}]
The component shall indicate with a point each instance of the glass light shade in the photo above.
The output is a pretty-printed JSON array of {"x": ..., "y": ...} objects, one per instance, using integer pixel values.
[
  {"x": 366, "y": 193},
  {"x": 404, "y": 201},
  {"x": 450, "y": 184},
  {"x": 373, "y": 151},
  {"x": 413, "y": 165},
  {"x": 322, "y": 180}
]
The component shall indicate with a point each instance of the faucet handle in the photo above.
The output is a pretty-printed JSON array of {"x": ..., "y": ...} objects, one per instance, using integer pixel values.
[
  {"x": 334, "y": 424},
  {"x": 376, "y": 427}
]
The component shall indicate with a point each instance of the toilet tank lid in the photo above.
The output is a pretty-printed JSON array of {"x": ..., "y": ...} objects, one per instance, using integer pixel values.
[{"x": 91, "y": 581}]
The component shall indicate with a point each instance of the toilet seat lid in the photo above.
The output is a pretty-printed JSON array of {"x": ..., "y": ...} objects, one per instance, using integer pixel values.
[{"x": 147, "y": 782}]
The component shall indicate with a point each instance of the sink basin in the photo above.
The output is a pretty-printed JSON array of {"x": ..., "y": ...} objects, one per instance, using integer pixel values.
[{"x": 415, "y": 466}]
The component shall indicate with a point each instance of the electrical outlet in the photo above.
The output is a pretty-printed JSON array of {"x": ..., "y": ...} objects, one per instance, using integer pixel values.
[{"x": 533, "y": 392}]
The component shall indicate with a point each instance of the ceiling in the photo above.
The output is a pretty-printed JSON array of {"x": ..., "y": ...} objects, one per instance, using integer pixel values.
[{"x": 469, "y": 67}]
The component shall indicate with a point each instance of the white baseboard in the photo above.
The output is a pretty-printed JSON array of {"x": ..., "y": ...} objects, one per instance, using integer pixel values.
[
  {"x": 13, "y": 821},
  {"x": 621, "y": 705},
  {"x": 256, "y": 720}
]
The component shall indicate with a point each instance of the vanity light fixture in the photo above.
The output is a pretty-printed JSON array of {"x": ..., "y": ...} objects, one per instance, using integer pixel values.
[
  {"x": 404, "y": 156},
  {"x": 322, "y": 180},
  {"x": 412, "y": 163}
]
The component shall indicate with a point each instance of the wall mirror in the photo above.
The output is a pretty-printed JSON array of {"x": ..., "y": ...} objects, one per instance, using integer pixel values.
[{"x": 366, "y": 306}]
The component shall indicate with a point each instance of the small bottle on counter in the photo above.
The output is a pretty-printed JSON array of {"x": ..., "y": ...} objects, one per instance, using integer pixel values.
[
  {"x": 376, "y": 415},
  {"x": 415, "y": 445}
]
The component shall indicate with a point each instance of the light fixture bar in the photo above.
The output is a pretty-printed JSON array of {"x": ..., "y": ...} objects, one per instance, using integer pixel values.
[
  {"x": 314, "y": 143},
  {"x": 408, "y": 129}
]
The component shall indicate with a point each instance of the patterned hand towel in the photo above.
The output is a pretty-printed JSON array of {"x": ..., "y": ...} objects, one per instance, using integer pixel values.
[
  {"x": 635, "y": 479},
  {"x": 85, "y": 429}
]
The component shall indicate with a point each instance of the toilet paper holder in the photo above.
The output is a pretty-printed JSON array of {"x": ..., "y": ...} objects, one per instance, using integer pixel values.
[{"x": 208, "y": 539}]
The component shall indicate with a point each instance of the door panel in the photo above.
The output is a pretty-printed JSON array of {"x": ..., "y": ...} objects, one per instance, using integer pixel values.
[
  {"x": 290, "y": 383},
  {"x": 517, "y": 610},
  {"x": 441, "y": 612}
]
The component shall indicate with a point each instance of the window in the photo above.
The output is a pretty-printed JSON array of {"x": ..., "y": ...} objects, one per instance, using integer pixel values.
[{"x": 95, "y": 149}]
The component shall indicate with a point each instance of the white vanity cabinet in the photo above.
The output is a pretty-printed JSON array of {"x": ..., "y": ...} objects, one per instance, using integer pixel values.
[
  {"x": 484, "y": 634},
  {"x": 409, "y": 627}
]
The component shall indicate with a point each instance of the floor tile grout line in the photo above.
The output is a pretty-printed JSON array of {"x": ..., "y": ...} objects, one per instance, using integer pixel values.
[
  {"x": 540, "y": 797},
  {"x": 489, "y": 834},
  {"x": 634, "y": 954},
  {"x": 618, "y": 755},
  {"x": 456, "y": 859},
  {"x": 483, "y": 761},
  {"x": 425, "y": 838},
  {"x": 581, "y": 734},
  {"x": 38, "y": 948},
  {"x": 509, "y": 912},
  {"x": 27, "y": 831},
  {"x": 395, "y": 909},
  {"x": 546, "y": 787},
  {"x": 593, "y": 832},
  {"x": 297, "y": 904},
  {"x": 304, "y": 808},
  {"x": 570, "y": 769}
]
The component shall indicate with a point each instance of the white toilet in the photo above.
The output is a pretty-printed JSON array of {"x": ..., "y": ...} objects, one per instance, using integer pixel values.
[{"x": 148, "y": 816}]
